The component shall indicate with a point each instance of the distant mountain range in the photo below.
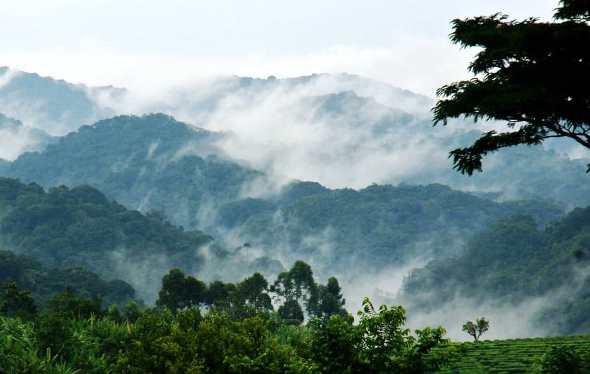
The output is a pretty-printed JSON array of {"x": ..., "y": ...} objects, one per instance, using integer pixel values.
[
  {"x": 155, "y": 163},
  {"x": 238, "y": 175},
  {"x": 329, "y": 123}
]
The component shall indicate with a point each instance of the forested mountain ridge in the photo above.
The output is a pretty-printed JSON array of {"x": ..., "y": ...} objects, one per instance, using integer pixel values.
[
  {"x": 152, "y": 162},
  {"x": 80, "y": 227},
  {"x": 513, "y": 261},
  {"x": 354, "y": 121},
  {"x": 55, "y": 106},
  {"x": 378, "y": 226}
]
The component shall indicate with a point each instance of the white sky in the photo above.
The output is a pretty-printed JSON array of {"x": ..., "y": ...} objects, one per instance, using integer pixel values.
[{"x": 146, "y": 44}]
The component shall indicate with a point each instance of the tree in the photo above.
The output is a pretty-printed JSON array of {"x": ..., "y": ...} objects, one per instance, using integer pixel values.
[
  {"x": 532, "y": 75},
  {"x": 476, "y": 329},
  {"x": 180, "y": 291},
  {"x": 16, "y": 303},
  {"x": 252, "y": 292},
  {"x": 298, "y": 284},
  {"x": 331, "y": 301},
  {"x": 219, "y": 294},
  {"x": 386, "y": 346},
  {"x": 291, "y": 312},
  {"x": 562, "y": 360}
]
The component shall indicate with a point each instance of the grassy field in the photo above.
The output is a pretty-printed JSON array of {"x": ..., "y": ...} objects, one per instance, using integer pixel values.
[{"x": 508, "y": 356}]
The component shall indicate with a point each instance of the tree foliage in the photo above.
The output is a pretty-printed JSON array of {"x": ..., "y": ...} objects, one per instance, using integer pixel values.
[
  {"x": 476, "y": 329},
  {"x": 529, "y": 74}
]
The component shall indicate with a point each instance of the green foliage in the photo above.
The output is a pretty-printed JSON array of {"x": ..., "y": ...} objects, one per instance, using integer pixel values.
[
  {"x": 331, "y": 301},
  {"x": 180, "y": 291},
  {"x": 298, "y": 285},
  {"x": 532, "y": 75},
  {"x": 16, "y": 303},
  {"x": 291, "y": 312},
  {"x": 19, "y": 351},
  {"x": 563, "y": 360},
  {"x": 78, "y": 336},
  {"x": 81, "y": 227},
  {"x": 146, "y": 165},
  {"x": 335, "y": 345},
  {"x": 44, "y": 282},
  {"x": 382, "y": 225}
]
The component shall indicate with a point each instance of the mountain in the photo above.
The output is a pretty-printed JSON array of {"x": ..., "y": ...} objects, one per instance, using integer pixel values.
[
  {"x": 155, "y": 163},
  {"x": 327, "y": 122},
  {"x": 80, "y": 227},
  {"x": 148, "y": 163},
  {"x": 52, "y": 105},
  {"x": 515, "y": 262},
  {"x": 371, "y": 229}
]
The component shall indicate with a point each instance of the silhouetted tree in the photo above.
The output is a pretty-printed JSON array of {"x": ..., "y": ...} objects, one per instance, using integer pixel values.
[
  {"x": 15, "y": 302},
  {"x": 180, "y": 291},
  {"x": 477, "y": 328},
  {"x": 291, "y": 312},
  {"x": 331, "y": 301},
  {"x": 298, "y": 284},
  {"x": 532, "y": 75}
]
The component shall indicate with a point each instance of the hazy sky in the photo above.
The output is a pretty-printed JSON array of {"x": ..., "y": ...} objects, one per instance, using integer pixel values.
[{"x": 144, "y": 43}]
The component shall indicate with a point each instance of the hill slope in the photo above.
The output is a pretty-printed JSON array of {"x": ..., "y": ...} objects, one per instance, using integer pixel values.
[
  {"x": 80, "y": 227},
  {"x": 511, "y": 262},
  {"x": 372, "y": 228},
  {"x": 44, "y": 282},
  {"x": 149, "y": 163}
]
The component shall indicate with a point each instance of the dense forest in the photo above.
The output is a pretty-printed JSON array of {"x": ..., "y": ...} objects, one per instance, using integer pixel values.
[
  {"x": 81, "y": 227},
  {"x": 514, "y": 260}
]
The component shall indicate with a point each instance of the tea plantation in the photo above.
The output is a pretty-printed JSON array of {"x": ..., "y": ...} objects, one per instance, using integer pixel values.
[{"x": 508, "y": 356}]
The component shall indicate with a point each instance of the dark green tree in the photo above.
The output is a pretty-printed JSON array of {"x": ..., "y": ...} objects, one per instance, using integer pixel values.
[
  {"x": 298, "y": 284},
  {"x": 563, "y": 360},
  {"x": 476, "y": 329},
  {"x": 219, "y": 294},
  {"x": 253, "y": 292},
  {"x": 71, "y": 305},
  {"x": 15, "y": 302},
  {"x": 531, "y": 75},
  {"x": 180, "y": 291},
  {"x": 331, "y": 301},
  {"x": 291, "y": 312}
]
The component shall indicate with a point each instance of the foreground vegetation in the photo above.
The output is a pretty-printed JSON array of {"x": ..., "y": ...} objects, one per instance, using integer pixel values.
[
  {"x": 549, "y": 355},
  {"x": 198, "y": 328}
]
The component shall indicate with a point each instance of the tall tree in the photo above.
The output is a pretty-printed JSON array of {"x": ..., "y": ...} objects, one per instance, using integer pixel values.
[
  {"x": 180, "y": 291},
  {"x": 533, "y": 76},
  {"x": 331, "y": 300},
  {"x": 298, "y": 284}
]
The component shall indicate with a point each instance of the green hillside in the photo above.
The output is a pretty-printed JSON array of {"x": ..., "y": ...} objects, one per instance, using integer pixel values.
[
  {"x": 45, "y": 282},
  {"x": 375, "y": 226},
  {"x": 152, "y": 162},
  {"x": 511, "y": 260},
  {"x": 65, "y": 227},
  {"x": 507, "y": 356}
]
